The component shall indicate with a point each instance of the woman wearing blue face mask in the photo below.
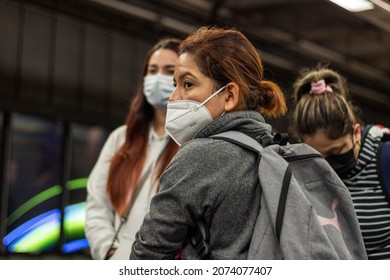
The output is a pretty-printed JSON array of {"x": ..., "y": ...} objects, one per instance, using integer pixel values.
[
  {"x": 219, "y": 87},
  {"x": 325, "y": 118},
  {"x": 126, "y": 174}
]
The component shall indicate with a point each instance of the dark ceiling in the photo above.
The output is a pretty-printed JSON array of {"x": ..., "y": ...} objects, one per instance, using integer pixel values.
[{"x": 290, "y": 34}]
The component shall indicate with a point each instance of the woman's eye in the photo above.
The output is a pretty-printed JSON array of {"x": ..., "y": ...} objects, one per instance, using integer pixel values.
[
  {"x": 170, "y": 72},
  {"x": 187, "y": 85}
]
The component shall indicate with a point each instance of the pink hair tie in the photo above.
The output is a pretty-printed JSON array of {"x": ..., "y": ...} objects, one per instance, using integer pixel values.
[{"x": 320, "y": 87}]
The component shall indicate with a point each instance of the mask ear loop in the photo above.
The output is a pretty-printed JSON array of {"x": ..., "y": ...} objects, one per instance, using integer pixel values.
[
  {"x": 211, "y": 96},
  {"x": 354, "y": 144},
  {"x": 358, "y": 142}
]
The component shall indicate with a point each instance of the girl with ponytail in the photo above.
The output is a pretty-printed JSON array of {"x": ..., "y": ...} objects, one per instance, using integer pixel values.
[{"x": 325, "y": 118}]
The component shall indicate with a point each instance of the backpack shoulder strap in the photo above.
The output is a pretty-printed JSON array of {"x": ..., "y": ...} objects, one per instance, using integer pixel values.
[
  {"x": 240, "y": 139},
  {"x": 199, "y": 234},
  {"x": 383, "y": 160},
  {"x": 248, "y": 142}
]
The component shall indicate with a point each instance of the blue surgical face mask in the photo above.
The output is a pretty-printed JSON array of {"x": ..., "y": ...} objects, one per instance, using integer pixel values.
[
  {"x": 157, "y": 89},
  {"x": 185, "y": 118}
]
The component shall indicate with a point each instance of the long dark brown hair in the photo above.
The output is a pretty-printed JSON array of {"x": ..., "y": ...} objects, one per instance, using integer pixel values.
[{"x": 128, "y": 162}]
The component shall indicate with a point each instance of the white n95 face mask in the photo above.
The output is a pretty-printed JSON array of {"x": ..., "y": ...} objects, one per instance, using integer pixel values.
[
  {"x": 157, "y": 89},
  {"x": 186, "y": 117}
]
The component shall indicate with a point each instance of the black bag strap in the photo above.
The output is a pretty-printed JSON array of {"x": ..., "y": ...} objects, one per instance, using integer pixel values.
[
  {"x": 200, "y": 239},
  {"x": 383, "y": 161},
  {"x": 282, "y": 202}
]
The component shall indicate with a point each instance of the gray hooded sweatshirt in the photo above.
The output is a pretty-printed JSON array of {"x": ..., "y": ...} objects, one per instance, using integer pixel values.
[{"x": 208, "y": 178}]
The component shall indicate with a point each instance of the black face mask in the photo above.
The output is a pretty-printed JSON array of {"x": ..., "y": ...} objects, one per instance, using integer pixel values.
[{"x": 342, "y": 163}]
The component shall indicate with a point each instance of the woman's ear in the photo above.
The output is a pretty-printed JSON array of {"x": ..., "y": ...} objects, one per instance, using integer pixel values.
[
  {"x": 357, "y": 132},
  {"x": 231, "y": 96}
]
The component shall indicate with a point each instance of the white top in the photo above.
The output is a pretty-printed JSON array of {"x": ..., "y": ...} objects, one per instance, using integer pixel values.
[{"x": 101, "y": 220}]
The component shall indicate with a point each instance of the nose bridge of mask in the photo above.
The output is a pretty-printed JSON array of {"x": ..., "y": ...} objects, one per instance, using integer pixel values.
[
  {"x": 190, "y": 105},
  {"x": 196, "y": 104},
  {"x": 160, "y": 78},
  {"x": 183, "y": 108}
]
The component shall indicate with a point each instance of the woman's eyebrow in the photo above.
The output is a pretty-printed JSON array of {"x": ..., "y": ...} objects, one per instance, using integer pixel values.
[
  {"x": 186, "y": 73},
  {"x": 152, "y": 66},
  {"x": 169, "y": 66}
]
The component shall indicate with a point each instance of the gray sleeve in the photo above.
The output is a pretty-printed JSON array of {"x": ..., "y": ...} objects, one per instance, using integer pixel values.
[{"x": 187, "y": 192}]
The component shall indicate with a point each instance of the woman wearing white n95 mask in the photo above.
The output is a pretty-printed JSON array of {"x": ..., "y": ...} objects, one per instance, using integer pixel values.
[
  {"x": 220, "y": 87},
  {"x": 126, "y": 174}
]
